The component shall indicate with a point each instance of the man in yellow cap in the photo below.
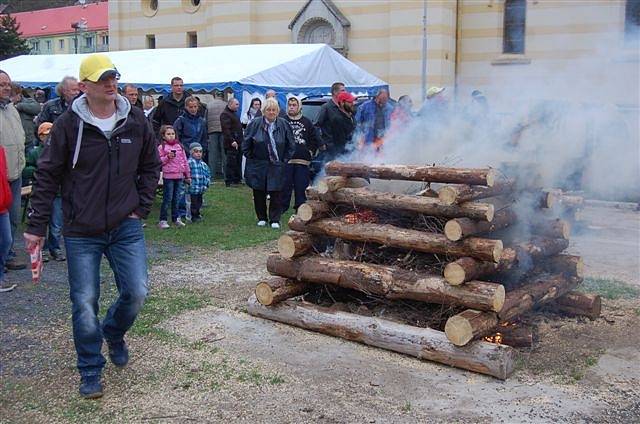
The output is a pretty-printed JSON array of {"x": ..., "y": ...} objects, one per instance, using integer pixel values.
[{"x": 103, "y": 155}]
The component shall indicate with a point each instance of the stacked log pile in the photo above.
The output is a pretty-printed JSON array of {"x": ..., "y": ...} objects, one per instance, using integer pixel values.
[{"x": 485, "y": 246}]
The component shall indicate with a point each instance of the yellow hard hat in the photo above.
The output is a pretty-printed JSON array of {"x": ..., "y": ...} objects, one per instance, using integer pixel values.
[
  {"x": 432, "y": 91},
  {"x": 96, "y": 66}
]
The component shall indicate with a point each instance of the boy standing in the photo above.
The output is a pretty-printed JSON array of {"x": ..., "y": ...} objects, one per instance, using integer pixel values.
[{"x": 200, "y": 180}]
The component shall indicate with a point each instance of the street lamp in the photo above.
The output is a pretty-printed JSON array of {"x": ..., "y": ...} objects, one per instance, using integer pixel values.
[{"x": 81, "y": 25}]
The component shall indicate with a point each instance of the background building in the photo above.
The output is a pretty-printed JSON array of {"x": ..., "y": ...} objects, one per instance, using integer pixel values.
[{"x": 72, "y": 29}]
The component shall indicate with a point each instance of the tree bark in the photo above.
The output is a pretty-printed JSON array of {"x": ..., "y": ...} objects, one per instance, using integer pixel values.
[
  {"x": 423, "y": 343},
  {"x": 275, "y": 290},
  {"x": 389, "y": 235},
  {"x": 579, "y": 304},
  {"x": 388, "y": 281},
  {"x": 330, "y": 184},
  {"x": 467, "y": 325},
  {"x": 433, "y": 174},
  {"x": 570, "y": 265},
  {"x": 552, "y": 228},
  {"x": 467, "y": 269},
  {"x": 458, "y": 228},
  {"x": 415, "y": 204},
  {"x": 294, "y": 243},
  {"x": 514, "y": 336},
  {"x": 312, "y": 210},
  {"x": 460, "y": 193}
]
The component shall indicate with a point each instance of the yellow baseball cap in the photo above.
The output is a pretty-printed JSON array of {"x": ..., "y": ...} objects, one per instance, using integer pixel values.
[
  {"x": 96, "y": 66},
  {"x": 432, "y": 91}
]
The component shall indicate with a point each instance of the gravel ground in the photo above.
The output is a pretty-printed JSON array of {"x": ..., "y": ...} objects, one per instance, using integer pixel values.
[{"x": 219, "y": 364}]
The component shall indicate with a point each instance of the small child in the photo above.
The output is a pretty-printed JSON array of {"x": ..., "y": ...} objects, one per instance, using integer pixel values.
[
  {"x": 174, "y": 169},
  {"x": 200, "y": 180}
]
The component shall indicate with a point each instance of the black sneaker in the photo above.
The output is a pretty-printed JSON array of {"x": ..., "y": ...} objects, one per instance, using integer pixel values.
[
  {"x": 90, "y": 387},
  {"x": 57, "y": 255},
  {"x": 118, "y": 353},
  {"x": 15, "y": 265}
]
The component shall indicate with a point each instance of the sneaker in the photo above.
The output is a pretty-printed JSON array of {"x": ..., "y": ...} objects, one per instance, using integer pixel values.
[
  {"x": 163, "y": 225},
  {"x": 262, "y": 223},
  {"x": 90, "y": 387},
  {"x": 57, "y": 255},
  {"x": 275, "y": 225},
  {"x": 14, "y": 264},
  {"x": 6, "y": 287},
  {"x": 196, "y": 219},
  {"x": 45, "y": 256},
  {"x": 118, "y": 353},
  {"x": 178, "y": 222}
]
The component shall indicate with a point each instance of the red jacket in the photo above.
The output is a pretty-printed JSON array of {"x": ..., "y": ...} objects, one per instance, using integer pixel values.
[{"x": 5, "y": 188}]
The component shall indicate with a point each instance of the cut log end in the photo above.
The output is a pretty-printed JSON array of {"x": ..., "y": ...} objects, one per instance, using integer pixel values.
[
  {"x": 491, "y": 210},
  {"x": 264, "y": 294},
  {"x": 497, "y": 251},
  {"x": 499, "y": 297},
  {"x": 322, "y": 186},
  {"x": 491, "y": 177},
  {"x": 458, "y": 330},
  {"x": 566, "y": 230},
  {"x": 286, "y": 247},
  {"x": 454, "y": 274},
  {"x": 580, "y": 268},
  {"x": 453, "y": 230},
  {"x": 447, "y": 195},
  {"x": 305, "y": 212}
]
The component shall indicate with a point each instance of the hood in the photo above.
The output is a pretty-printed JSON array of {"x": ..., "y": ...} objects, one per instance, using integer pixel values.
[{"x": 81, "y": 107}]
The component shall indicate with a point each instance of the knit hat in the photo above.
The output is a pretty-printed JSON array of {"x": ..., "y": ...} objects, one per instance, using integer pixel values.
[
  {"x": 194, "y": 146},
  {"x": 44, "y": 128}
]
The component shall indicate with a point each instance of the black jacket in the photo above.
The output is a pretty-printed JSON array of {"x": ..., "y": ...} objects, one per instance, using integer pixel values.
[
  {"x": 52, "y": 111},
  {"x": 112, "y": 178},
  {"x": 167, "y": 112},
  {"x": 304, "y": 135},
  {"x": 231, "y": 128},
  {"x": 259, "y": 172},
  {"x": 336, "y": 127}
]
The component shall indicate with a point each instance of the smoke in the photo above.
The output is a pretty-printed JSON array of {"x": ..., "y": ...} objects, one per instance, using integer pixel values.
[{"x": 575, "y": 120}]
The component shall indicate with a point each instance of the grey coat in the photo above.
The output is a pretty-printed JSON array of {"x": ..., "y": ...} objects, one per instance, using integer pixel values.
[{"x": 259, "y": 172}]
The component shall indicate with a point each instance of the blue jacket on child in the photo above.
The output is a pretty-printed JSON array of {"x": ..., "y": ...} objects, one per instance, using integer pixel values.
[{"x": 191, "y": 129}]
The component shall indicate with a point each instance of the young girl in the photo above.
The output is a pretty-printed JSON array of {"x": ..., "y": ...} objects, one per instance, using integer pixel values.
[{"x": 175, "y": 170}]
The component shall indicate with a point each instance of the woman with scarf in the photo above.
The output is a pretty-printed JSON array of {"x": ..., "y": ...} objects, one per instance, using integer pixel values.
[
  {"x": 268, "y": 145},
  {"x": 254, "y": 111}
]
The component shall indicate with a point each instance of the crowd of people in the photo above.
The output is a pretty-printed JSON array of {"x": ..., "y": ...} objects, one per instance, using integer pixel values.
[{"x": 93, "y": 157}]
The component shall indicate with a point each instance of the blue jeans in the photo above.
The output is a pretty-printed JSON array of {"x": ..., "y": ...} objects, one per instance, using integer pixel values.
[
  {"x": 14, "y": 212},
  {"x": 296, "y": 179},
  {"x": 125, "y": 249},
  {"x": 5, "y": 240},
  {"x": 171, "y": 192},
  {"x": 55, "y": 226}
]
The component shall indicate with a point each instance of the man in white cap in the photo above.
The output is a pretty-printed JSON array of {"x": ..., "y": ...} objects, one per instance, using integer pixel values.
[{"x": 103, "y": 155}]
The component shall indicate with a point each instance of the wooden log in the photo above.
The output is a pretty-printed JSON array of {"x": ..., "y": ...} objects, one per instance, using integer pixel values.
[
  {"x": 540, "y": 289},
  {"x": 460, "y": 193},
  {"x": 388, "y": 281},
  {"x": 552, "y": 228},
  {"x": 511, "y": 335},
  {"x": 313, "y": 209},
  {"x": 565, "y": 264},
  {"x": 275, "y": 290},
  {"x": 433, "y": 174},
  {"x": 579, "y": 304},
  {"x": 467, "y": 325},
  {"x": 294, "y": 243},
  {"x": 389, "y": 235},
  {"x": 458, "y": 228},
  {"x": 467, "y": 269},
  {"x": 423, "y": 343},
  {"x": 330, "y": 184},
  {"x": 571, "y": 202},
  {"x": 409, "y": 203}
]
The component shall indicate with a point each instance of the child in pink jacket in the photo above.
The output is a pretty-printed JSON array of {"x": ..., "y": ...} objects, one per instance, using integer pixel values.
[{"x": 175, "y": 171}]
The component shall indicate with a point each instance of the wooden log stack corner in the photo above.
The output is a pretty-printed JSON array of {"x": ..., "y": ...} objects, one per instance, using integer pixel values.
[{"x": 475, "y": 258}]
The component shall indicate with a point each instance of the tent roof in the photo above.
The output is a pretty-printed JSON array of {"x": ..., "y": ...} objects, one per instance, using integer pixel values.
[{"x": 278, "y": 66}]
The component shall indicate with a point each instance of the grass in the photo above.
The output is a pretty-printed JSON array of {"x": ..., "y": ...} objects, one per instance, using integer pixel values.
[
  {"x": 229, "y": 222},
  {"x": 610, "y": 288}
]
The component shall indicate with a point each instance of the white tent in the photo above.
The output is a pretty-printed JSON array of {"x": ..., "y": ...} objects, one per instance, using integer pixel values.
[{"x": 307, "y": 69}]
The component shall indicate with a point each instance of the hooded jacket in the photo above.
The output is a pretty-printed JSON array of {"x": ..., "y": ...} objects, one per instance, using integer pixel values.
[
  {"x": 191, "y": 129},
  {"x": 173, "y": 168},
  {"x": 304, "y": 136},
  {"x": 12, "y": 139},
  {"x": 104, "y": 177}
]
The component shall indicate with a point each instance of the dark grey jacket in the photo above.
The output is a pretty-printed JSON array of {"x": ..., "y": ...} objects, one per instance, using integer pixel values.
[{"x": 259, "y": 172}]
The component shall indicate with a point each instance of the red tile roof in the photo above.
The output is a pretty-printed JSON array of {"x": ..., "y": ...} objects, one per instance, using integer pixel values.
[{"x": 59, "y": 20}]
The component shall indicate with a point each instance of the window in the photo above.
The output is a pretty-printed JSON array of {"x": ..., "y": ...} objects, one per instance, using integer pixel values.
[
  {"x": 61, "y": 44},
  {"x": 151, "y": 41},
  {"x": 632, "y": 21},
  {"x": 195, "y": 2},
  {"x": 153, "y": 4},
  {"x": 48, "y": 44},
  {"x": 88, "y": 41},
  {"x": 515, "y": 12},
  {"x": 35, "y": 45},
  {"x": 75, "y": 44},
  {"x": 192, "y": 39},
  {"x": 105, "y": 40}
]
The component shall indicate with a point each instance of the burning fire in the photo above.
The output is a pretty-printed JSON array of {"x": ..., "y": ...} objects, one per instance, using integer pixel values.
[
  {"x": 364, "y": 216},
  {"x": 498, "y": 338}
]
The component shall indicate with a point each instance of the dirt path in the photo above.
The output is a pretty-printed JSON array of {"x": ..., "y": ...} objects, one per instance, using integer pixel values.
[{"x": 218, "y": 364}]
